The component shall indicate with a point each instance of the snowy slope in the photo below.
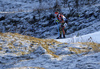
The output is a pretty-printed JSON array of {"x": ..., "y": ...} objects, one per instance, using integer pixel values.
[
  {"x": 25, "y": 52},
  {"x": 11, "y": 6},
  {"x": 77, "y": 51},
  {"x": 93, "y": 37},
  {"x": 20, "y": 17}
]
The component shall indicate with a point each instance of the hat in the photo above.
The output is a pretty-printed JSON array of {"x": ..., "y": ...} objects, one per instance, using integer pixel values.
[{"x": 56, "y": 12}]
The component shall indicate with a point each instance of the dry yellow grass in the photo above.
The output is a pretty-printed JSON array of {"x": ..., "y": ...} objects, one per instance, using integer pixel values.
[
  {"x": 0, "y": 48},
  {"x": 45, "y": 43},
  {"x": 10, "y": 47},
  {"x": 95, "y": 47},
  {"x": 78, "y": 51},
  {"x": 0, "y": 44}
]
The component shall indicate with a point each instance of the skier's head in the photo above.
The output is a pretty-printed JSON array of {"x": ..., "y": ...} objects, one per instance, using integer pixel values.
[{"x": 56, "y": 13}]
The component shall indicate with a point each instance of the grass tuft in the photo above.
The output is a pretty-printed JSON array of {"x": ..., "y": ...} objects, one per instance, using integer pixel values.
[
  {"x": 89, "y": 47},
  {"x": 0, "y": 48}
]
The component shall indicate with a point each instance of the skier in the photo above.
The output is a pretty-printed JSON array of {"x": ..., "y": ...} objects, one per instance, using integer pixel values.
[{"x": 62, "y": 20}]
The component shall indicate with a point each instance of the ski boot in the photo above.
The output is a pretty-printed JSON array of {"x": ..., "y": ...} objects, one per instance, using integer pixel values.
[
  {"x": 59, "y": 37},
  {"x": 64, "y": 36}
]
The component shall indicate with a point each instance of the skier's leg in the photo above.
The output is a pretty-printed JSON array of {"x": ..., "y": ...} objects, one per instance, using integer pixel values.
[
  {"x": 60, "y": 29},
  {"x": 63, "y": 32}
]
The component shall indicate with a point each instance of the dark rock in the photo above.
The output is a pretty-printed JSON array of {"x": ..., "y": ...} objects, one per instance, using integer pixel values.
[
  {"x": 2, "y": 18},
  {"x": 52, "y": 16}
]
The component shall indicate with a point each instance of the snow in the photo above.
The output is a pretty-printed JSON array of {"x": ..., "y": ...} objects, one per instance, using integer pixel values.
[
  {"x": 40, "y": 57},
  {"x": 24, "y": 52},
  {"x": 22, "y": 12},
  {"x": 93, "y": 37}
]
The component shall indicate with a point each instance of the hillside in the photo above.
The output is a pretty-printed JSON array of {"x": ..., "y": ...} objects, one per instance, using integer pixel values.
[
  {"x": 20, "y": 51},
  {"x": 23, "y": 17},
  {"x": 92, "y": 37},
  {"x": 28, "y": 34}
]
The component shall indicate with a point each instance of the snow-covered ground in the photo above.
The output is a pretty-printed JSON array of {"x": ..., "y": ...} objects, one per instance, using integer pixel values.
[
  {"x": 77, "y": 51},
  {"x": 16, "y": 6},
  {"x": 93, "y": 37},
  {"x": 25, "y": 52},
  {"x": 17, "y": 16}
]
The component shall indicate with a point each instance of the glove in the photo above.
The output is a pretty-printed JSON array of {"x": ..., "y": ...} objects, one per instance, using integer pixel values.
[
  {"x": 65, "y": 24},
  {"x": 57, "y": 20}
]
